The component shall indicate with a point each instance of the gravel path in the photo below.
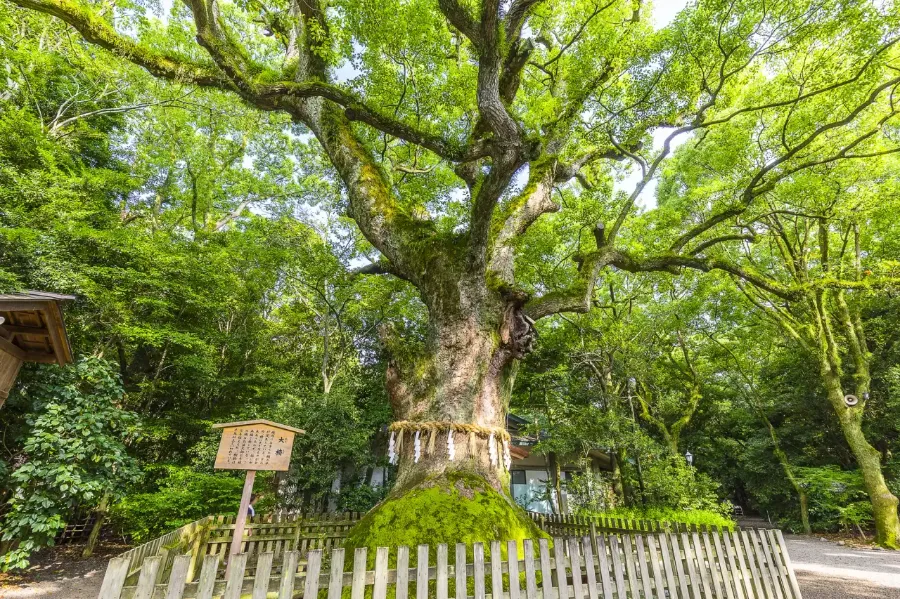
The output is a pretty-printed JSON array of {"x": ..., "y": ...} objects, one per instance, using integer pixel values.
[
  {"x": 826, "y": 570},
  {"x": 83, "y": 587},
  {"x": 60, "y": 573}
]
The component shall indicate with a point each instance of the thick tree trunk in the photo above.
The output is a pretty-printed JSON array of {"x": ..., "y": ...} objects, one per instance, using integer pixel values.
[
  {"x": 464, "y": 381},
  {"x": 884, "y": 503},
  {"x": 464, "y": 377}
]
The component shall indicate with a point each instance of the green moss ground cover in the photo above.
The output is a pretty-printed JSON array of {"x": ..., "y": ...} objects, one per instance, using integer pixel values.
[{"x": 453, "y": 508}]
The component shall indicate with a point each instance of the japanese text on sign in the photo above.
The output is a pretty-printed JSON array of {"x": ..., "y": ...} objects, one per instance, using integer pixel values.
[{"x": 254, "y": 447}]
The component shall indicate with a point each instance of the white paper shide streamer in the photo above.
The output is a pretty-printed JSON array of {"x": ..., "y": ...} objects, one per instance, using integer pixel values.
[
  {"x": 492, "y": 450},
  {"x": 451, "y": 450},
  {"x": 498, "y": 444}
]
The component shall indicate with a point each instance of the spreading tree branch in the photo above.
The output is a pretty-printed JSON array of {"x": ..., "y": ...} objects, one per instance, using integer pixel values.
[
  {"x": 356, "y": 110},
  {"x": 459, "y": 17},
  {"x": 515, "y": 18},
  {"x": 721, "y": 239},
  {"x": 578, "y": 297},
  {"x": 758, "y": 183},
  {"x": 99, "y": 32},
  {"x": 519, "y": 214}
]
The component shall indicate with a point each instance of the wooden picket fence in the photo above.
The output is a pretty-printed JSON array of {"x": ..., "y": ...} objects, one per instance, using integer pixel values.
[
  {"x": 186, "y": 539},
  {"x": 281, "y": 532},
  {"x": 568, "y": 525},
  {"x": 747, "y": 564},
  {"x": 266, "y": 533},
  {"x": 277, "y": 533}
]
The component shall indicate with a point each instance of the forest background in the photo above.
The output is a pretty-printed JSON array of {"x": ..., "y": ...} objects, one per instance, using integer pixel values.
[{"x": 214, "y": 267}]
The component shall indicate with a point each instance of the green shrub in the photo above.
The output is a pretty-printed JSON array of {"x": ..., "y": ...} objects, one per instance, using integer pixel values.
[
  {"x": 183, "y": 496},
  {"x": 360, "y": 498},
  {"x": 670, "y": 483},
  {"x": 73, "y": 452},
  {"x": 590, "y": 492},
  {"x": 837, "y": 498},
  {"x": 661, "y": 514},
  {"x": 670, "y": 486}
]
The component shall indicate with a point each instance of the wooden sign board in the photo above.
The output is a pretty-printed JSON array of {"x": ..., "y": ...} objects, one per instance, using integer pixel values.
[{"x": 255, "y": 445}]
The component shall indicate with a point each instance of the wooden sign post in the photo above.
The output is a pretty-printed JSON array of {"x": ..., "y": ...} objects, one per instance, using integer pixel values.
[{"x": 252, "y": 445}]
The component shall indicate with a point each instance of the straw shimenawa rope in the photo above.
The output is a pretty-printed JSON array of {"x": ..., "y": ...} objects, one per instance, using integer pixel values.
[
  {"x": 432, "y": 428},
  {"x": 459, "y": 427}
]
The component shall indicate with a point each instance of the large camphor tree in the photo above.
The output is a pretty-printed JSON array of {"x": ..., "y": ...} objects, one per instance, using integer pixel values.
[{"x": 457, "y": 126}]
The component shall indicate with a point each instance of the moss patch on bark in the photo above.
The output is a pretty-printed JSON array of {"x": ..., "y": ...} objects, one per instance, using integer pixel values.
[{"x": 449, "y": 508}]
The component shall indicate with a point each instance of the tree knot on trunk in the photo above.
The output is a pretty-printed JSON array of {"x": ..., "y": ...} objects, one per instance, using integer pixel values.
[{"x": 517, "y": 332}]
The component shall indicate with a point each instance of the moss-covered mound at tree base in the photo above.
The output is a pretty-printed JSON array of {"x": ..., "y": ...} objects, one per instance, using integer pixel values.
[{"x": 450, "y": 508}]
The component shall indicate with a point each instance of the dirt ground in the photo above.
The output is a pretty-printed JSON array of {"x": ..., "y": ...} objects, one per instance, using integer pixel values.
[{"x": 60, "y": 573}]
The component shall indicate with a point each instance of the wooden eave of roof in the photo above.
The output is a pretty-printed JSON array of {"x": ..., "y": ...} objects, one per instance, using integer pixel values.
[
  {"x": 252, "y": 422},
  {"x": 33, "y": 329},
  {"x": 519, "y": 453}
]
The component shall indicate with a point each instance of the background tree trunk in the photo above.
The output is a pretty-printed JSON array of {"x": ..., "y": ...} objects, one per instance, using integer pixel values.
[
  {"x": 555, "y": 489},
  {"x": 98, "y": 526},
  {"x": 804, "y": 511},
  {"x": 884, "y": 503},
  {"x": 618, "y": 485},
  {"x": 786, "y": 466}
]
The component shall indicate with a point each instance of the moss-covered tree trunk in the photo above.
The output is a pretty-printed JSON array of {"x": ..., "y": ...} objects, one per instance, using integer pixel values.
[
  {"x": 462, "y": 381},
  {"x": 884, "y": 503},
  {"x": 836, "y": 315}
]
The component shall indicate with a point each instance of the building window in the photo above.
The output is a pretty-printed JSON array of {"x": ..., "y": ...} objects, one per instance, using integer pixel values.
[{"x": 529, "y": 489}]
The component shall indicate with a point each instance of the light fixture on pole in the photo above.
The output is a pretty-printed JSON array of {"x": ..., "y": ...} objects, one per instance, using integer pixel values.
[{"x": 689, "y": 457}]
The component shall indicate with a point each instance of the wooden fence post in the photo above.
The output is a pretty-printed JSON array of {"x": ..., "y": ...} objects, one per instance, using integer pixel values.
[
  {"x": 238, "y": 538},
  {"x": 593, "y": 534},
  {"x": 198, "y": 547},
  {"x": 114, "y": 579}
]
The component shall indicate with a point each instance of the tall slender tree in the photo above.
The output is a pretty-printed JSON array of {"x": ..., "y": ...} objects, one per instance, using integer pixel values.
[
  {"x": 815, "y": 255},
  {"x": 461, "y": 119}
]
